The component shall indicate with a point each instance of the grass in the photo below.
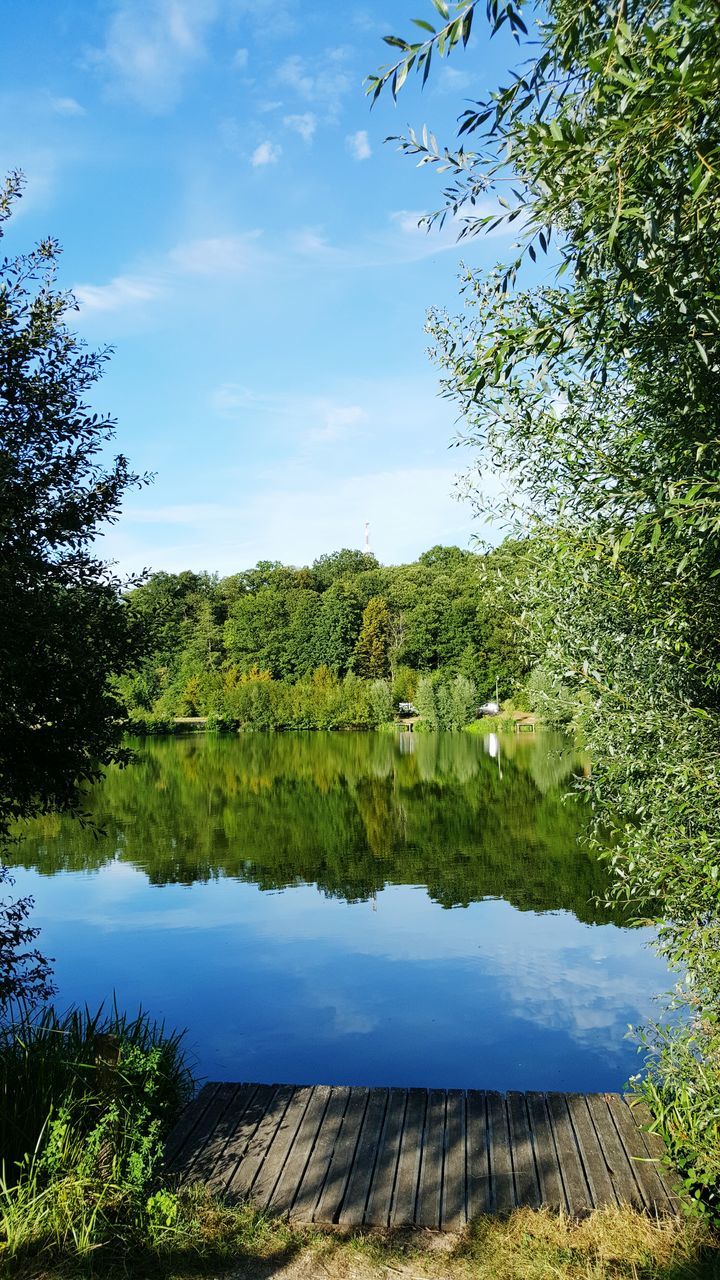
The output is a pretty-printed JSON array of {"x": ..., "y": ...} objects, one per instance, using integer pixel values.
[{"x": 194, "y": 1236}]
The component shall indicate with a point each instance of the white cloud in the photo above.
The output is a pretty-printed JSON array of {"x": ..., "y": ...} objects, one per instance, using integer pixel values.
[
  {"x": 359, "y": 145},
  {"x": 324, "y": 84},
  {"x": 216, "y": 255},
  {"x": 122, "y": 291},
  {"x": 304, "y": 124},
  {"x": 151, "y": 45},
  {"x": 67, "y": 107},
  {"x": 316, "y": 419},
  {"x": 213, "y": 257},
  {"x": 265, "y": 153},
  {"x": 240, "y": 60}
]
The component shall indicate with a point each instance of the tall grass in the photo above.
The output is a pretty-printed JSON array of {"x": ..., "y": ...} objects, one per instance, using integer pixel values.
[{"x": 86, "y": 1101}]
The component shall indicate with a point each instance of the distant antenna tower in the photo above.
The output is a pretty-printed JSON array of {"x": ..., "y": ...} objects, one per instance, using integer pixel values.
[{"x": 366, "y": 548}]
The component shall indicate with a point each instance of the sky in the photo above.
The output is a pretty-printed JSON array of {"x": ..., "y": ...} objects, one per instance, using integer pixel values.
[{"x": 235, "y": 225}]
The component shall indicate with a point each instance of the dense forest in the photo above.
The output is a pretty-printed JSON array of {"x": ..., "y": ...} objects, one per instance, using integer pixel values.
[{"x": 339, "y": 643}]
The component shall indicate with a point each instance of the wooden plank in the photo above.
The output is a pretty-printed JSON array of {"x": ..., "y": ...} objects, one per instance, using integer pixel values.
[
  {"x": 597, "y": 1174},
  {"x": 427, "y": 1210},
  {"x": 642, "y": 1166},
  {"x": 453, "y": 1214},
  {"x": 254, "y": 1135},
  {"x": 577, "y": 1191},
  {"x": 552, "y": 1192},
  {"x": 656, "y": 1150},
  {"x": 279, "y": 1149},
  {"x": 223, "y": 1128},
  {"x": 313, "y": 1180},
  {"x": 245, "y": 1123},
  {"x": 358, "y": 1187},
  {"x": 527, "y": 1190},
  {"x": 403, "y": 1210},
  {"x": 182, "y": 1131},
  {"x": 479, "y": 1199},
  {"x": 501, "y": 1178},
  {"x": 623, "y": 1178},
  {"x": 377, "y": 1213},
  {"x": 282, "y": 1197},
  {"x": 203, "y": 1130},
  {"x": 342, "y": 1158}
]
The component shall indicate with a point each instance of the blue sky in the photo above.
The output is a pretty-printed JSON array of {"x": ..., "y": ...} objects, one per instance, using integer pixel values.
[{"x": 235, "y": 226}]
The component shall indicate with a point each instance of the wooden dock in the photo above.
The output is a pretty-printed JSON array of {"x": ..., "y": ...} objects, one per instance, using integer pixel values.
[{"x": 414, "y": 1157}]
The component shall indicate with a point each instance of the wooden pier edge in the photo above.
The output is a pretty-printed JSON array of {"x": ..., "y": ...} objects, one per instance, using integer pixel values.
[{"x": 370, "y": 1157}]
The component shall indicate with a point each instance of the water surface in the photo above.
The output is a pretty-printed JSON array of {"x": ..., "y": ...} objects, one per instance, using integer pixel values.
[{"x": 349, "y": 909}]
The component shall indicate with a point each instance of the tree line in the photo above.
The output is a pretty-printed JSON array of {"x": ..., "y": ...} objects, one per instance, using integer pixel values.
[{"x": 338, "y": 643}]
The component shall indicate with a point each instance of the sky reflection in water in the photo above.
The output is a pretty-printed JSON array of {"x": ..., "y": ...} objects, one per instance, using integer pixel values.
[{"x": 280, "y": 896}]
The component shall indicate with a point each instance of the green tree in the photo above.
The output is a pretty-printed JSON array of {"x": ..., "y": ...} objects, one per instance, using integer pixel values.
[
  {"x": 599, "y": 396},
  {"x": 371, "y": 650},
  {"x": 64, "y": 624}
]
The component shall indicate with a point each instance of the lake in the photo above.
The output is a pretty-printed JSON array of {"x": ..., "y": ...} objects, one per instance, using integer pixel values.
[{"x": 349, "y": 908}]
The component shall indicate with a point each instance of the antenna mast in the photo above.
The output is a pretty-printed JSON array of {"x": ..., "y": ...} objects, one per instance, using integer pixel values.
[{"x": 366, "y": 548}]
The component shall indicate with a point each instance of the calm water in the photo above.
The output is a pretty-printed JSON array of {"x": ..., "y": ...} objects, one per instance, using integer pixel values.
[{"x": 350, "y": 909}]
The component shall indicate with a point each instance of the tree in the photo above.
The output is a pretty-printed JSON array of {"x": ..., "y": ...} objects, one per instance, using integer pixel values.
[
  {"x": 371, "y": 650},
  {"x": 599, "y": 395},
  {"x": 64, "y": 623}
]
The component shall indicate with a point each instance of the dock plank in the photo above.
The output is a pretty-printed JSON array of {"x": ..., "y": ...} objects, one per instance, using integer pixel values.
[
  {"x": 595, "y": 1165},
  {"x": 623, "y": 1178},
  {"x": 313, "y": 1179},
  {"x": 279, "y": 1149},
  {"x": 552, "y": 1192},
  {"x": 342, "y": 1157},
  {"x": 453, "y": 1214},
  {"x": 656, "y": 1150},
  {"x": 363, "y": 1166},
  {"x": 427, "y": 1212},
  {"x": 258, "y": 1129},
  {"x": 527, "y": 1190},
  {"x": 403, "y": 1209},
  {"x": 501, "y": 1174},
  {"x": 646, "y": 1175},
  {"x": 190, "y": 1118},
  {"x": 282, "y": 1198},
  {"x": 379, "y": 1203},
  {"x": 577, "y": 1190},
  {"x": 479, "y": 1198}
]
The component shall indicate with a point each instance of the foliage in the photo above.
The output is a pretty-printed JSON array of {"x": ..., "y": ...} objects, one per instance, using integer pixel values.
[
  {"x": 64, "y": 622},
  {"x": 598, "y": 396},
  {"x": 318, "y": 637},
  {"x": 86, "y": 1103}
]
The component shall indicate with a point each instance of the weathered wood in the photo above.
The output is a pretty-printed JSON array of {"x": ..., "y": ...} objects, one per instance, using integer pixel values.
[
  {"x": 191, "y": 1116},
  {"x": 289, "y": 1181},
  {"x": 358, "y": 1187},
  {"x": 313, "y": 1179},
  {"x": 656, "y": 1150},
  {"x": 427, "y": 1212},
  {"x": 272, "y": 1166},
  {"x": 403, "y": 1209},
  {"x": 453, "y": 1214},
  {"x": 623, "y": 1178},
  {"x": 379, "y": 1203},
  {"x": 479, "y": 1199},
  {"x": 221, "y": 1122},
  {"x": 552, "y": 1192},
  {"x": 501, "y": 1176},
  {"x": 255, "y": 1133},
  {"x": 399, "y": 1157},
  {"x": 577, "y": 1191},
  {"x": 597, "y": 1173},
  {"x": 646, "y": 1175},
  {"x": 527, "y": 1190},
  {"x": 342, "y": 1157}
]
